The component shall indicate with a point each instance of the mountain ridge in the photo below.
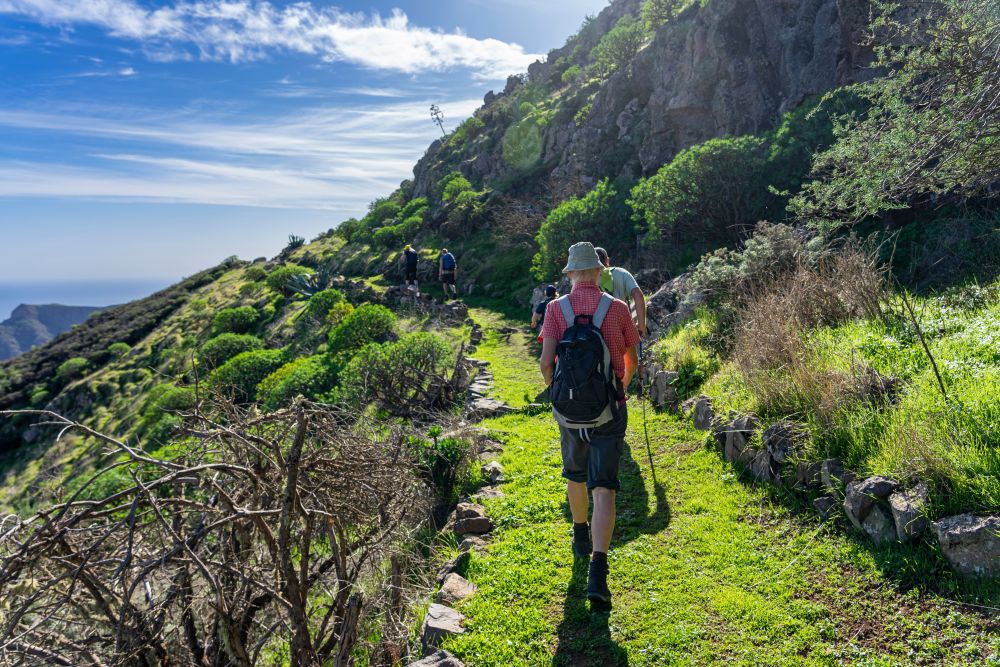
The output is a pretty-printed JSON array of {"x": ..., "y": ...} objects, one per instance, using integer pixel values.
[{"x": 36, "y": 324}]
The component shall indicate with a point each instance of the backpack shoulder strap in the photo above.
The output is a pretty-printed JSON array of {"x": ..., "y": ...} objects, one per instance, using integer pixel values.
[
  {"x": 603, "y": 306},
  {"x": 567, "y": 310}
]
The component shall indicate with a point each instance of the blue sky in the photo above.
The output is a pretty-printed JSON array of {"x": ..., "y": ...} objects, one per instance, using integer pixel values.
[{"x": 145, "y": 139}]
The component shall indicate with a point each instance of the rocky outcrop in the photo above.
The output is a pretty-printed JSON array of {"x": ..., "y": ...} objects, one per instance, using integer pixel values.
[
  {"x": 29, "y": 326},
  {"x": 440, "y": 623},
  {"x": 725, "y": 68}
]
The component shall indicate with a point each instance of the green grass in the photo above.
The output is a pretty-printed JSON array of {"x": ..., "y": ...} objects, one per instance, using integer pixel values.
[{"x": 706, "y": 569}]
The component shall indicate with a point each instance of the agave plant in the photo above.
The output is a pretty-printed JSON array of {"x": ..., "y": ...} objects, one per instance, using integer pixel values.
[{"x": 307, "y": 284}]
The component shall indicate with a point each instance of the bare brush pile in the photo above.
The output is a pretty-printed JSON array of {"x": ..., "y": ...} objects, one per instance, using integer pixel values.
[{"x": 271, "y": 539}]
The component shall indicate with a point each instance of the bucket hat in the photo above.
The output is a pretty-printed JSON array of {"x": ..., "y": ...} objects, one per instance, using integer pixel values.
[{"x": 582, "y": 256}]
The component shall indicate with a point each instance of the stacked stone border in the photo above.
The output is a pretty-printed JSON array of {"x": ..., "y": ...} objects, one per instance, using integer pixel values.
[
  {"x": 469, "y": 521},
  {"x": 881, "y": 509}
]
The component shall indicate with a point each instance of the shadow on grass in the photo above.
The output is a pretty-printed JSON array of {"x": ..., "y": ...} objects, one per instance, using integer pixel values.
[{"x": 585, "y": 636}]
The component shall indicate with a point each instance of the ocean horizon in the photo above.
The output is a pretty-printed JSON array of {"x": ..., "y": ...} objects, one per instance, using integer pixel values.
[{"x": 98, "y": 293}]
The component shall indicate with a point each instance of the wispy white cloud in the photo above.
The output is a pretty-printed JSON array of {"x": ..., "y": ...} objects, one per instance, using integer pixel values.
[
  {"x": 240, "y": 30},
  {"x": 334, "y": 159}
]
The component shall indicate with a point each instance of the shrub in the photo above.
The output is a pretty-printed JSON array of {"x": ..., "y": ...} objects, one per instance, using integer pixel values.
[
  {"x": 467, "y": 131},
  {"x": 618, "y": 46},
  {"x": 338, "y": 312},
  {"x": 369, "y": 323},
  {"x": 159, "y": 413},
  {"x": 572, "y": 74},
  {"x": 600, "y": 216},
  {"x": 442, "y": 462},
  {"x": 311, "y": 377},
  {"x": 380, "y": 210},
  {"x": 119, "y": 350},
  {"x": 294, "y": 243},
  {"x": 221, "y": 349},
  {"x": 402, "y": 377},
  {"x": 709, "y": 194},
  {"x": 453, "y": 185},
  {"x": 278, "y": 278},
  {"x": 71, "y": 369},
  {"x": 238, "y": 378},
  {"x": 238, "y": 320},
  {"x": 255, "y": 273},
  {"x": 415, "y": 207},
  {"x": 321, "y": 302},
  {"x": 39, "y": 397},
  {"x": 657, "y": 12},
  {"x": 348, "y": 229}
]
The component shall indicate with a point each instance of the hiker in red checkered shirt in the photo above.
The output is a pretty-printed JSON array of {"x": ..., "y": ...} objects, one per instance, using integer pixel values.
[{"x": 590, "y": 454}]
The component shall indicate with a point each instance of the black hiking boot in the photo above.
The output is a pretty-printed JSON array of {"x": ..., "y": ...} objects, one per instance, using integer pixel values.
[
  {"x": 582, "y": 546},
  {"x": 597, "y": 585}
]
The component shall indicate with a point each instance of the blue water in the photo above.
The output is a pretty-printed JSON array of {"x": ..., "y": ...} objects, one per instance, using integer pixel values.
[{"x": 76, "y": 293}]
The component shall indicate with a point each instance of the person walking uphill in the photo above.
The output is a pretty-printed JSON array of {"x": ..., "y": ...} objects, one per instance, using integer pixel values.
[
  {"x": 538, "y": 313},
  {"x": 595, "y": 340},
  {"x": 410, "y": 257},
  {"x": 448, "y": 272},
  {"x": 621, "y": 284}
]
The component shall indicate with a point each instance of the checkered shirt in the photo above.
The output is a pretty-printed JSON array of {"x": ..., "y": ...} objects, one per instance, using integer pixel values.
[{"x": 619, "y": 330}]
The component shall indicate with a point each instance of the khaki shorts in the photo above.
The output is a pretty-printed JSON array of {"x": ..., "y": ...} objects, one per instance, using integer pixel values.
[{"x": 595, "y": 462}]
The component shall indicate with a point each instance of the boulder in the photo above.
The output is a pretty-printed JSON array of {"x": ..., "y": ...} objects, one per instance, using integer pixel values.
[
  {"x": 469, "y": 511},
  {"x": 440, "y": 623},
  {"x": 807, "y": 475},
  {"x": 472, "y": 543},
  {"x": 704, "y": 416},
  {"x": 662, "y": 393},
  {"x": 833, "y": 476},
  {"x": 862, "y": 496},
  {"x": 878, "y": 525},
  {"x": 971, "y": 543},
  {"x": 485, "y": 408},
  {"x": 826, "y": 506},
  {"x": 455, "y": 589},
  {"x": 737, "y": 434},
  {"x": 457, "y": 564},
  {"x": 439, "y": 658},
  {"x": 782, "y": 439},
  {"x": 493, "y": 472},
  {"x": 908, "y": 509},
  {"x": 487, "y": 493},
  {"x": 764, "y": 468}
]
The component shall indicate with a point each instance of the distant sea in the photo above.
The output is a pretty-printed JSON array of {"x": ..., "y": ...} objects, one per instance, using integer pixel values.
[{"x": 76, "y": 292}]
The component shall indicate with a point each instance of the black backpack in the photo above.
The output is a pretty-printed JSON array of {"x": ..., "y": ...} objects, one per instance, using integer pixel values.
[{"x": 584, "y": 391}]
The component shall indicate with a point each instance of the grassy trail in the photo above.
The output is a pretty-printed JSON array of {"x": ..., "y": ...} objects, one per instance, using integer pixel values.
[{"x": 705, "y": 569}]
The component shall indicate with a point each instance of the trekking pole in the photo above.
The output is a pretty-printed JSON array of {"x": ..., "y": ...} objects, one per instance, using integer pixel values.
[{"x": 642, "y": 402}]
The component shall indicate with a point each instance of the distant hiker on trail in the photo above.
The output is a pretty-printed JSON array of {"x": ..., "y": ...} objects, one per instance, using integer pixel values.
[
  {"x": 621, "y": 284},
  {"x": 595, "y": 340},
  {"x": 448, "y": 272},
  {"x": 538, "y": 315},
  {"x": 409, "y": 259}
]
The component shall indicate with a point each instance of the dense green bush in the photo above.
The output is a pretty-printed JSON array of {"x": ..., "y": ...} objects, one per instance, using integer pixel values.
[
  {"x": 398, "y": 377},
  {"x": 466, "y": 132},
  {"x": 657, "y": 12},
  {"x": 618, "y": 46},
  {"x": 119, "y": 350},
  {"x": 321, "y": 302},
  {"x": 239, "y": 320},
  {"x": 370, "y": 323},
  {"x": 931, "y": 131},
  {"x": 601, "y": 216},
  {"x": 238, "y": 378},
  {"x": 71, "y": 369},
  {"x": 572, "y": 75},
  {"x": 442, "y": 462},
  {"x": 255, "y": 273},
  {"x": 160, "y": 412},
  {"x": 453, "y": 185},
  {"x": 278, "y": 278},
  {"x": 311, "y": 377},
  {"x": 415, "y": 207},
  {"x": 708, "y": 195},
  {"x": 338, "y": 312},
  {"x": 224, "y": 347}
]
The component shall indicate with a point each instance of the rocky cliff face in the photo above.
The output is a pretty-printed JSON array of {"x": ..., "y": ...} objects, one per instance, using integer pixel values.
[
  {"x": 31, "y": 325},
  {"x": 731, "y": 67}
]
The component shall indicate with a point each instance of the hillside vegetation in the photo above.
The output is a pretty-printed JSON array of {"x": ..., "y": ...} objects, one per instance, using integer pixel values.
[{"x": 811, "y": 197}]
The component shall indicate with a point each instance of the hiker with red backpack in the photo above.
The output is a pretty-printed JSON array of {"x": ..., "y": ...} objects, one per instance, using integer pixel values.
[{"x": 589, "y": 356}]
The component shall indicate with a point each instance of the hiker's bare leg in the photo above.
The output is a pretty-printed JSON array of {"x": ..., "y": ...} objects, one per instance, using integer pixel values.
[
  {"x": 603, "y": 523},
  {"x": 579, "y": 501}
]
